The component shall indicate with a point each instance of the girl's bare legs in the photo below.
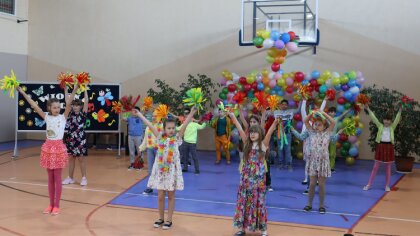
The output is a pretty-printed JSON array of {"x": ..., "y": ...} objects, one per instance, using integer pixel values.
[
  {"x": 321, "y": 191},
  {"x": 82, "y": 163},
  {"x": 171, "y": 204},
  {"x": 161, "y": 204},
  {"x": 312, "y": 185},
  {"x": 72, "y": 163}
]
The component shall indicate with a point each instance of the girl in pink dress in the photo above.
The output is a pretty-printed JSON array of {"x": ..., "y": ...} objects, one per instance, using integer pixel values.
[{"x": 53, "y": 151}]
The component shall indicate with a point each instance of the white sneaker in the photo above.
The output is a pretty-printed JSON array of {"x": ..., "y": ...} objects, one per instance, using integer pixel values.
[
  {"x": 366, "y": 188},
  {"x": 387, "y": 189},
  {"x": 83, "y": 182},
  {"x": 68, "y": 180}
]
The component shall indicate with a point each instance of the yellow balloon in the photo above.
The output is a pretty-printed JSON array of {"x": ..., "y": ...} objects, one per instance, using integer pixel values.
[
  {"x": 357, "y": 118},
  {"x": 285, "y": 76},
  {"x": 264, "y": 72},
  {"x": 260, "y": 32},
  {"x": 349, "y": 161},
  {"x": 299, "y": 155},
  {"x": 265, "y": 34},
  {"x": 321, "y": 81},
  {"x": 326, "y": 73},
  {"x": 336, "y": 81},
  {"x": 344, "y": 79},
  {"x": 361, "y": 125},
  {"x": 281, "y": 82}
]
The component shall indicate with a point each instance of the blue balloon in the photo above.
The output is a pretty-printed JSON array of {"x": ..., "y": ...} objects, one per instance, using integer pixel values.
[
  {"x": 260, "y": 86},
  {"x": 348, "y": 95},
  {"x": 352, "y": 83},
  {"x": 225, "y": 102},
  {"x": 280, "y": 93},
  {"x": 340, "y": 108},
  {"x": 275, "y": 35},
  {"x": 285, "y": 37},
  {"x": 353, "y": 151},
  {"x": 315, "y": 74},
  {"x": 281, "y": 71},
  {"x": 305, "y": 82},
  {"x": 337, "y": 87},
  {"x": 358, "y": 131},
  {"x": 338, "y": 113},
  {"x": 233, "y": 153},
  {"x": 353, "y": 97},
  {"x": 273, "y": 92},
  {"x": 323, "y": 89},
  {"x": 276, "y": 88},
  {"x": 250, "y": 94}
]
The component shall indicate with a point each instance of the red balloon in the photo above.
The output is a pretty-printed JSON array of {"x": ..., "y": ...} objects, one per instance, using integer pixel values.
[
  {"x": 311, "y": 89},
  {"x": 254, "y": 85},
  {"x": 255, "y": 110},
  {"x": 299, "y": 76},
  {"x": 292, "y": 35},
  {"x": 242, "y": 80},
  {"x": 341, "y": 100},
  {"x": 289, "y": 89},
  {"x": 231, "y": 88},
  {"x": 247, "y": 87},
  {"x": 275, "y": 67},
  {"x": 317, "y": 88},
  {"x": 343, "y": 137},
  {"x": 297, "y": 117},
  {"x": 313, "y": 82}
]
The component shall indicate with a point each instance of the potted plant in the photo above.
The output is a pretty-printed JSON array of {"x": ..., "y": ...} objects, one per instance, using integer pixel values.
[{"x": 407, "y": 133}]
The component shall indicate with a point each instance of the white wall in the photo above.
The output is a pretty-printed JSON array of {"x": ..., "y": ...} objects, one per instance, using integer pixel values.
[
  {"x": 137, "y": 42},
  {"x": 13, "y": 55}
]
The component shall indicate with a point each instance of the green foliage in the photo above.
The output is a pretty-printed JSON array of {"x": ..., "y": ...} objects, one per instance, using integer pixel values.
[
  {"x": 173, "y": 97},
  {"x": 407, "y": 133}
]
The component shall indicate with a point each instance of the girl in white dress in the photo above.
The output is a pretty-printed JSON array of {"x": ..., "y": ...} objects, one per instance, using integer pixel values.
[{"x": 166, "y": 174}]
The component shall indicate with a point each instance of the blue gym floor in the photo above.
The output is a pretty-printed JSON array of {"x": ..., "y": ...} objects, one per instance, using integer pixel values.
[{"x": 213, "y": 192}]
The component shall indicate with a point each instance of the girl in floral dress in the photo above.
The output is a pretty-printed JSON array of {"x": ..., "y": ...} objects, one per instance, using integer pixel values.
[
  {"x": 53, "y": 151},
  {"x": 76, "y": 138},
  {"x": 166, "y": 174},
  {"x": 251, "y": 213},
  {"x": 318, "y": 136}
]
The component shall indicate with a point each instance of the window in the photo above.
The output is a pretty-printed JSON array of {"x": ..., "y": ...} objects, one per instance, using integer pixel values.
[{"x": 7, "y": 6}]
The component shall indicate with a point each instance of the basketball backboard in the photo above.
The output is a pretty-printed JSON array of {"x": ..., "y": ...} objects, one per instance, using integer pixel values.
[{"x": 300, "y": 16}]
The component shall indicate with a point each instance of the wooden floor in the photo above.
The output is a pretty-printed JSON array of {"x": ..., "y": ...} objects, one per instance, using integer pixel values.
[{"x": 84, "y": 210}]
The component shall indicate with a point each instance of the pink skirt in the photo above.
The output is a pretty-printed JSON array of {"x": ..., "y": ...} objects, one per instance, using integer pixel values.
[
  {"x": 53, "y": 154},
  {"x": 384, "y": 152}
]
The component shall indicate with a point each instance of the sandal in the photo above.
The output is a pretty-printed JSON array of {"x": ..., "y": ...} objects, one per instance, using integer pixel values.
[
  {"x": 240, "y": 233},
  {"x": 307, "y": 208},
  {"x": 167, "y": 225},
  {"x": 158, "y": 223},
  {"x": 322, "y": 210}
]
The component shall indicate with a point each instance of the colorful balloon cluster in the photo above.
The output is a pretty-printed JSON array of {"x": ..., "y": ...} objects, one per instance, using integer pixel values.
[{"x": 295, "y": 86}]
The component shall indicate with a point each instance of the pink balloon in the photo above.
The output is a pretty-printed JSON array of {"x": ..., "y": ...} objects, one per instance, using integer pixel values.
[
  {"x": 272, "y": 83},
  {"x": 218, "y": 101},
  {"x": 291, "y": 46},
  {"x": 277, "y": 76},
  {"x": 289, "y": 81},
  {"x": 359, "y": 74},
  {"x": 352, "y": 139},
  {"x": 223, "y": 81},
  {"x": 299, "y": 125}
]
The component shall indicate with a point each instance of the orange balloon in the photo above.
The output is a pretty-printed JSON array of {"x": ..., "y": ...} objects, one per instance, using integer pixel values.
[
  {"x": 338, "y": 145},
  {"x": 279, "y": 60},
  {"x": 265, "y": 81},
  {"x": 283, "y": 53},
  {"x": 296, "y": 85}
]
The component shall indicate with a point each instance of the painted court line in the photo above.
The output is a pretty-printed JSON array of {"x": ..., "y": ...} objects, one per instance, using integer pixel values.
[
  {"x": 66, "y": 187},
  {"x": 208, "y": 201},
  {"x": 232, "y": 203}
]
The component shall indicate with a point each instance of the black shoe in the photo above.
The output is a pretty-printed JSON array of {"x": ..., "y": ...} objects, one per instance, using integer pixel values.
[
  {"x": 332, "y": 170},
  {"x": 184, "y": 170},
  {"x": 131, "y": 167},
  {"x": 158, "y": 223},
  {"x": 167, "y": 225},
  {"x": 148, "y": 191},
  {"x": 189, "y": 163},
  {"x": 305, "y": 192},
  {"x": 305, "y": 182},
  {"x": 197, "y": 172},
  {"x": 321, "y": 210},
  {"x": 307, "y": 208}
]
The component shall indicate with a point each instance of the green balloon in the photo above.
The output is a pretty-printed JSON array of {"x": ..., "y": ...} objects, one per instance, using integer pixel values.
[
  {"x": 347, "y": 105},
  {"x": 269, "y": 59},
  {"x": 321, "y": 95},
  {"x": 344, "y": 152},
  {"x": 346, "y": 145},
  {"x": 352, "y": 74},
  {"x": 222, "y": 95},
  {"x": 258, "y": 41},
  {"x": 225, "y": 90},
  {"x": 240, "y": 87}
]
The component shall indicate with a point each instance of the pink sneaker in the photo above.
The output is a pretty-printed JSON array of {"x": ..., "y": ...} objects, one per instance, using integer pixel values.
[
  {"x": 55, "y": 211},
  {"x": 48, "y": 210}
]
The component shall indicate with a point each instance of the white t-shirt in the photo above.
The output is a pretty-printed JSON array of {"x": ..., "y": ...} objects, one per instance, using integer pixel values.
[
  {"x": 55, "y": 126},
  {"x": 386, "y": 135}
]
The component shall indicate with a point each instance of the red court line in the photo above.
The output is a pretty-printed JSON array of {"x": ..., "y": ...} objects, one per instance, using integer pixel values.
[
  {"x": 370, "y": 209},
  {"x": 11, "y": 231}
]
